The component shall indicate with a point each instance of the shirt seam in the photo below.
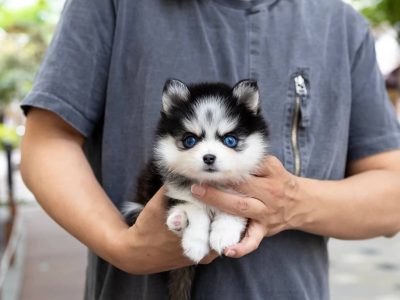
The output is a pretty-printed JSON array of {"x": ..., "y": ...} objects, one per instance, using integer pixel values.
[
  {"x": 392, "y": 141},
  {"x": 65, "y": 103},
  {"x": 63, "y": 109}
]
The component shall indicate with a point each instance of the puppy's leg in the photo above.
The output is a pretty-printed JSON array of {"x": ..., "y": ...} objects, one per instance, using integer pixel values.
[
  {"x": 226, "y": 230},
  {"x": 195, "y": 236}
]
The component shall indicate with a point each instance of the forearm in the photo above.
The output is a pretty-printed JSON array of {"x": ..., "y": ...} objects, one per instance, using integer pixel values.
[
  {"x": 362, "y": 206},
  {"x": 56, "y": 171}
]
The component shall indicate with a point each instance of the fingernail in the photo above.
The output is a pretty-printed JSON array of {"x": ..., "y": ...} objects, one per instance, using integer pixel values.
[
  {"x": 198, "y": 190},
  {"x": 230, "y": 252}
]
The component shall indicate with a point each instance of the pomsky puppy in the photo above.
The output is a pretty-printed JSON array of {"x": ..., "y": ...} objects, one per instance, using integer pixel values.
[{"x": 208, "y": 133}]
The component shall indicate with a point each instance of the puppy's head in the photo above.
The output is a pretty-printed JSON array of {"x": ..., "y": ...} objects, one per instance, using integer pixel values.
[{"x": 210, "y": 132}]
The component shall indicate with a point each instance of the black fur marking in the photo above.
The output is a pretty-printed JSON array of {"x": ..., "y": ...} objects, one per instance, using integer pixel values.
[
  {"x": 172, "y": 202},
  {"x": 149, "y": 182}
]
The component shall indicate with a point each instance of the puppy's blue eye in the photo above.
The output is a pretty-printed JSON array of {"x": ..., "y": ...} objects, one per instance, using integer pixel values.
[
  {"x": 230, "y": 141},
  {"x": 189, "y": 142}
]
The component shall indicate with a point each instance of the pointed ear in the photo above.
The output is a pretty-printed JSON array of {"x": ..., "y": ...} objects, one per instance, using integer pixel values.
[
  {"x": 246, "y": 92},
  {"x": 174, "y": 93}
]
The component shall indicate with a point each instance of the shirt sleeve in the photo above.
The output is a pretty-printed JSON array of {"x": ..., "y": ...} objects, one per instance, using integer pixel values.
[
  {"x": 374, "y": 127},
  {"x": 72, "y": 79}
]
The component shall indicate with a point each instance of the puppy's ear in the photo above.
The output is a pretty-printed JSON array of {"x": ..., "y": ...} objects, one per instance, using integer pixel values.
[
  {"x": 175, "y": 92},
  {"x": 246, "y": 92}
]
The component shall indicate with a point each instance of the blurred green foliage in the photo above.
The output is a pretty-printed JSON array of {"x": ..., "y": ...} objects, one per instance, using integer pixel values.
[
  {"x": 383, "y": 11},
  {"x": 25, "y": 32},
  {"x": 380, "y": 12},
  {"x": 8, "y": 136}
]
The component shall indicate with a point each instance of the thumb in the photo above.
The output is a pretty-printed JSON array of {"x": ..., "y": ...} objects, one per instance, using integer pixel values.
[{"x": 254, "y": 235}]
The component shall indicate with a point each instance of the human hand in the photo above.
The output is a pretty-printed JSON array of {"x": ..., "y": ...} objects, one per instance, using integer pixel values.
[
  {"x": 269, "y": 199},
  {"x": 152, "y": 247}
]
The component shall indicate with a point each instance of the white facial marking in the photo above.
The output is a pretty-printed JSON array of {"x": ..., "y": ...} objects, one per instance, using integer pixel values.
[{"x": 210, "y": 117}]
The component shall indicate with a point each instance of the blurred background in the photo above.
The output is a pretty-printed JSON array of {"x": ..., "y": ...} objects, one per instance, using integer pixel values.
[{"x": 38, "y": 260}]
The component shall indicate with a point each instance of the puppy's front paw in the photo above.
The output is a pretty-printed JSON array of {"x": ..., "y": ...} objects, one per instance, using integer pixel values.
[
  {"x": 177, "y": 221},
  {"x": 220, "y": 238},
  {"x": 195, "y": 248}
]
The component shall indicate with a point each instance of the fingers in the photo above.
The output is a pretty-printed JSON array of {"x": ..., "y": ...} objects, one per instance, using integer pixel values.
[
  {"x": 238, "y": 205},
  {"x": 264, "y": 181},
  {"x": 254, "y": 235},
  {"x": 256, "y": 187}
]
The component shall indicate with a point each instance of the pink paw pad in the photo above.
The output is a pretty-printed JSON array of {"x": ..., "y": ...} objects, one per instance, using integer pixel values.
[{"x": 177, "y": 221}]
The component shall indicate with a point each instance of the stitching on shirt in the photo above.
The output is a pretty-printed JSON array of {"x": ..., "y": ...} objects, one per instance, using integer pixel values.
[
  {"x": 65, "y": 103},
  {"x": 393, "y": 138}
]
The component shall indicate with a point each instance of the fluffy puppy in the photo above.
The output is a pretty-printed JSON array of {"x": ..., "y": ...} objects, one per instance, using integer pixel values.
[{"x": 208, "y": 133}]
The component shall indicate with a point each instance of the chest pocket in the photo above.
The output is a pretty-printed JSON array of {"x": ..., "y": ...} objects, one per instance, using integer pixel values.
[{"x": 297, "y": 122}]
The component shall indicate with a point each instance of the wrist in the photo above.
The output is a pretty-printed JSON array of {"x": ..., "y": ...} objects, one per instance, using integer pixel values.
[
  {"x": 130, "y": 252},
  {"x": 120, "y": 248},
  {"x": 308, "y": 210}
]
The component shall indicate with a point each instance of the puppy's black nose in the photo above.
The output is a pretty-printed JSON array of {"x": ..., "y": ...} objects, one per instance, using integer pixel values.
[{"x": 209, "y": 159}]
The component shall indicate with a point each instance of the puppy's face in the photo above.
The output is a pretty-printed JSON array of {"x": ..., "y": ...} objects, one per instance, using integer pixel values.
[{"x": 211, "y": 132}]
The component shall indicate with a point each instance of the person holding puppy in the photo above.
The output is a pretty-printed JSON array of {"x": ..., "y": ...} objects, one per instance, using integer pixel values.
[{"x": 334, "y": 162}]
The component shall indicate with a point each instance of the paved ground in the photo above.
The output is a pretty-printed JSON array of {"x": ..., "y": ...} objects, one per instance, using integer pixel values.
[
  {"x": 51, "y": 264},
  {"x": 365, "y": 270},
  {"x": 55, "y": 262}
]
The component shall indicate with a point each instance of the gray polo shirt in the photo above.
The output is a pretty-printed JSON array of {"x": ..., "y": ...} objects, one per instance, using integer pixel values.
[{"x": 104, "y": 74}]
